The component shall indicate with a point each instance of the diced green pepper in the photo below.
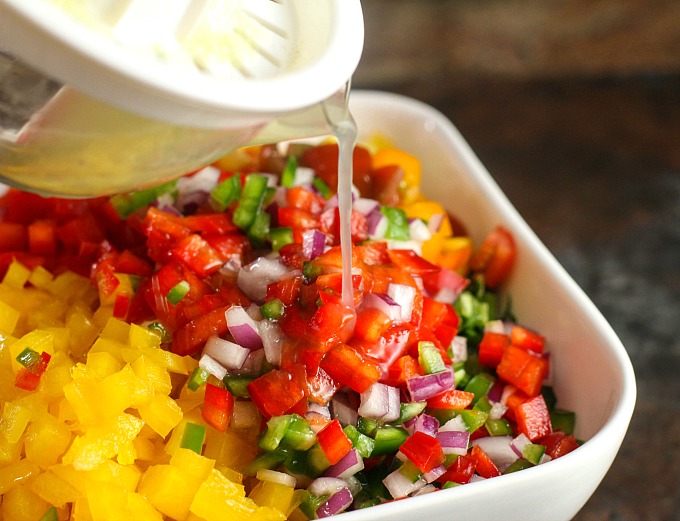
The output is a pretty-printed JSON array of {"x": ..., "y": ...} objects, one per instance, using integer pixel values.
[
  {"x": 280, "y": 237},
  {"x": 250, "y": 202},
  {"x": 259, "y": 229},
  {"x": 388, "y": 439},
  {"x": 178, "y": 292},
  {"x": 273, "y": 309},
  {"x": 483, "y": 404},
  {"x": 226, "y": 192},
  {"x": 276, "y": 430},
  {"x": 311, "y": 271},
  {"x": 199, "y": 377},
  {"x": 429, "y": 358},
  {"x": 265, "y": 460},
  {"x": 299, "y": 435},
  {"x": 499, "y": 427},
  {"x": 367, "y": 426},
  {"x": 50, "y": 515},
  {"x": 322, "y": 187},
  {"x": 409, "y": 410},
  {"x": 533, "y": 453},
  {"x": 310, "y": 505},
  {"x": 238, "y": 385},
  {"x": 562, "y": 420},
  {"x": 479, "y": 385},
  {"x": 288, "y": 174},
  {"x": 161, "y": 331},
  {"x": 193, "y": 437},
  {"x": 397, "y": 223},
  {"x": 28, "y": 358},
  {"x": 518, "y": 464},
  {"x": 127, "y": 204},
  {"x": 364, "y": 444}
]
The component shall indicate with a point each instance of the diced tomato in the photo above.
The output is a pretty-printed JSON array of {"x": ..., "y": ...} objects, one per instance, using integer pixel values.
[
  {"x": 491, "y": 348},
  {"x": 163, "y": 232},
  {"x": 276, "y": 392},
  {"x": 533, "y": 418},
  {"x": 391, "y": 345},
  {"x": 523, "y": 369},
  {"x": 298, "y": 220},
  {"x": 286, "y": 290},
  {"x": 423, "y": 450},
  {"x": 218, "y": 406},
  {"x": 527, "y": 339},
  {"x": 451, "y": 399},
  {"x": 189, "y": 339},
  {"x": 485, "y": 466},
  {"x": 229, "y": 245},
  {"x": 209, "y": 224},
  {"x": 79, "y": 230},
  {"x": 324, "y": 160},
  {"x": 495, "y": 257},
  {"x": 128, "y": 262},
  {"x": 557, "y": 444},
  {"x": 292, "y": 255},
  {"x": 412, "y": 263},
  {"x": 329, "y": 223},
  {"x": 375, "y": 252},
  {"x": 460, "y": 471},
  {"x": 303, "y": 199},
  {"x": 334, "y": 442},
  {"x": 42, "y": 237},
  {"x": 385, "y": 183},
  {"x": 348, "y": 367}
]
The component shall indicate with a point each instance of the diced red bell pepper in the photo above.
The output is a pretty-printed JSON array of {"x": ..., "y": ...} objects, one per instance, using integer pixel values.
[
  {"x": 13, "y": 236},
  {"x": 292, "y": 255},
  {"x": 332, "y": 322},
  {"x": 491, "y": 348},
  {"x": 485, "y": 467},
  {"x": 79, "y": 230},
  {"x": 410, "y": 262},
  {"x": 403, "y": 369},
  {"x": 324, "y": 160},
  {"x": 348, "y": 367},
  {"x": 523, "y": 369},
  {"x": 334, "y": 442},
  {"x": 329, "y": 223},
  {"x": 371, "y": 324},
  {"x": 128, "y": 262},
  {"x": 218, "y": 406},
  {"x": 495, "y": 257},
  {"x": 460, "y": 471},
  {"x": 557, "y": 444},
  {"x": 441, "y": 319},
  {"x": 391, "y": 345},
  {"x": 451, "y": 399},
  {"x": 121, "y": 305},
  {"x": 298, "y": 220},
  {"x": 527, "y": 339},
  {"x": 423, "y": 450},
  {"x": 373, "y": 253},
  {"x": 277, "y": 391},
  {"x": 533, "y": 418},
  {"x": 286, "y": 290},
  {"x": 42, "y": 237},
  {"x": 198, "y": 255},
  {"x": 229, "y": 245},
  {"x": 189, "y": 339},
  {"x": 304, "y": 199},
  {"x": 28, "y": 378},
  {"x": 209, "y": 224}
]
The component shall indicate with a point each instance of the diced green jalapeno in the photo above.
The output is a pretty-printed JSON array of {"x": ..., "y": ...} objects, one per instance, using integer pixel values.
[
  {"x": 397, "y": 223},
  {"x": 273, "y": 309},
  {"x": 250, "y": 202},
  {"x": 280, "y": 237},
  {"x": 429, "y": 358},
  {"x": 193, "y": 437},
  {"x": 226, "y": 192},
  {"x": 199, "y": 377}
]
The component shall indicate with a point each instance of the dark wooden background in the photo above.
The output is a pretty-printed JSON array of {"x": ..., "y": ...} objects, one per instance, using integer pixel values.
[{"x": 574, "y": 107}]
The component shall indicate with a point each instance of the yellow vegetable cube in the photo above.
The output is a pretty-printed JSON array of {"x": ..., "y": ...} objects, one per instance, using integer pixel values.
[
  {"x": 218, "y": 498},
  {"x": 81, "y": 510},
  {"x": 171, "y": 361},
  {"x": 102, "y": 364},
  {"x": 145, "y": 449},
  {"x": 140, "y": 509},
  {"x": 71, "y": 287},
  {"x": 9, "y": 452},
  {"x": 83, "y": 332},
  {"x": 267, "y": 514},
  {"x": 53, "y": 489},
  {"x": 169, "y": 489},
  {"x": 9, "y": 317},
  {"x": 83, "y": 396},
  {"x": 110, "y": 346},
  {"x": 17, "y": 275},
  {"x": 162, "y": 414},
  {"x": 14, "y": 419},
  {"x": 193, "y": 464},
  {"x": 149, "y": 371},
  {"x": 116, "y": 329},
  {"x": 230, "y": 449},
  {"x": 40, "y": 277},
  {"x": 124, "y": 476},
  {"x": 16, "y": 473},
  {"x": 273, "y": 495},
  {"x": 61, "y": 338},
  {"x": 20, "y": 504},
  {"x": 46, "y": 440},
  {"x": 143, "y": 337}
]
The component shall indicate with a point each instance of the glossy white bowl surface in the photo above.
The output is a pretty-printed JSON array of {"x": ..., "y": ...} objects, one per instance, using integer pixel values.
[{"x": 591, "y": 371}]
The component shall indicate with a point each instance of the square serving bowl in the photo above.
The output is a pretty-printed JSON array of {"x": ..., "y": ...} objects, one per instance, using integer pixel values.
[{"x": 591, "y": 371}]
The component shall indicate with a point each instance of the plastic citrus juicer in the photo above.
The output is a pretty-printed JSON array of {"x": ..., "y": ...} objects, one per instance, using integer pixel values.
[{"x": 103, "y": 96}]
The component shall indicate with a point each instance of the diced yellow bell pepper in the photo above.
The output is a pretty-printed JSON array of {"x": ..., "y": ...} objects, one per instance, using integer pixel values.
[
  {"x": 218, "y": 498},
  {"x": 10, "y": 453},
  {"x": 81, "y": 510},
  {"x": 83, "y": 332},
  {"x": 16, "y": 473},
  {"x": 193, "y": 464},
  {"x": 40, "y": 277},
  {"x": 83, "y": 396},
  {"x": 102, "y": 442},
  {"x": 53, "y": 489},
  {"x": 410, "y": 183},
  {"x": 102, "y": 364},
  {"x": 46, "y": 440},
  {"x": 111, "y": 346},
  {"x": 144, "y": 448},
  {"x": 17, "y": 275},
  {"x": 169, "y": 489},
  {"x": 14, "y": 420},
  {"x": 273, "y": 495},
  {"x": 230, "y": 449},
  {"x": 9, "y": 317},
  {"x": 152, "y": 373},
  {"x": 116, "y": 329},
  {"x": 61, "y": 338},
  {"x": 140, "y": 509},
  {"x": 171, "y": 361},
  {"x": 125, "y": 476},
  {"x": 127, "y": 454},
  {"x": 20, "y": 504},
  {"x": 143, "y": 337},
  {"x": 267, "y": 514},
  {"x": 72, "y": 287},
  {"x": 107, "y": 501},
  {"x": 162, "y": 414}
]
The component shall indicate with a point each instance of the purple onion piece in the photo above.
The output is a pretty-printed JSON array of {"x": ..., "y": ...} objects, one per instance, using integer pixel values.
[
  {"x": 400, "y": 486},
  {"x": 383, "y": 303},
  {"x": 404, "y": 296},
  {"x": 380, "y": 402},
  {"x": 325, "y": 485},
  {"x": 499, "y": 450},
  {"x": 243, "y": 328},
  {"x": 349, "y": 465},
  {"x": 427, "y": 424},
  {"x": 423, "y": 387},
  {"x": 335, "y": 504},
  {"x": 313, "y": 243},
  {"x": 454, "y": 442},
  {"x": 376, "y": 224},
  {"x": 450, "y": 285},
  {"x": 254, "y": 278},
  {"x": 434, "y": 473},
  {"x": 213, "y": 367},
  {"x": 365, "y": 206},
  {"x": 228, "y": 354},
  {"x": 343, "y": 410}
]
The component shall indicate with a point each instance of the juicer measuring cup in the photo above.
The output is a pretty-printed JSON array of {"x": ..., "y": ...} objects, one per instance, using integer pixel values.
[{"x": 85, "y": 111}]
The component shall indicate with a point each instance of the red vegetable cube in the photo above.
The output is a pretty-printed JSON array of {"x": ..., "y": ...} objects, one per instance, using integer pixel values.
[
  {"x": 334, "y": 442},
  {"x": 423, "y": 450}
]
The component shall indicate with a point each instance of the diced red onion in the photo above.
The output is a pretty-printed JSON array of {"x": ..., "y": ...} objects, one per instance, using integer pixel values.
[
  {"x": 495, "y": 326},
  {"x": 380, "y": 402},
  {"x": 188, "y": 202},
  {"x": 459, "y": 349},
  {"x": 318, "y": 415},
  {"x": 454, "y": 424},
  {"x": 435, "y": 222},
  {"x": 254, "y": 278},
  {"x": 202, "y": 181},
  {"x": 272, "y": 341},
  {"x": 454, "y": 442},
  {"x": 376, "y": 224},
  {"x": 325, "y": 485},
  {"x": 255, "y": 312},
  {"x": 498, "y": 449},
  {"x": 496, "y": 392},
  {"x": 497, "y": 411},
  {"x": 419, "y": 231},
  {"x": 213, "y": 367},
  {"x": 518, "y": 443},
  {"x": 228, "y": 354},
  {"x": 313, "y": 243},
  {"x": 427, "y": 489},
  {"x": 508, "y": 391},
  {"x": 383, "y": 303},
  {"x": 423, "y": 387},
  {"x": 274, "y": 476},
  {"x": 303, "y": 176},
  {"x": 400, "y": 486},
  {"x": 434, "y": 473},
  {"x": 338, "y": 502},
  {"x": 450, "y": 284},
  {"x": 365, "y": 206},
  {"x": 253, "y": 364},
  {"x": 403, "y": 295},
  {"x": 343, "y": 410},
  {"x": 349, "y": 465},
  {"x": 427, "y": 424},
  {"x": 243, "y": 328},
  {"x": 475, "y": 478}
]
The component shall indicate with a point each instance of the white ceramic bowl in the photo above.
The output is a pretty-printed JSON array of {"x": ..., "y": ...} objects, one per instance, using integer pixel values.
[{"x": 591, "y": 372}]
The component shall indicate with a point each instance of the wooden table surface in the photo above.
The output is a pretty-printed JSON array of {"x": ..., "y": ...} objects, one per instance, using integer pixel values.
[{"x": 589, "y": 153}]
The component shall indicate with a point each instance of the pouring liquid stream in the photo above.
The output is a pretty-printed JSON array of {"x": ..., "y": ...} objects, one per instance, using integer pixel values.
[{"x": 344, "y": 128}]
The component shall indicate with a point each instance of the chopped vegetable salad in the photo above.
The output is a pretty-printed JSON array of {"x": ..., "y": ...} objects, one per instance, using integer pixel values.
[{"x": 184, "y": 352}]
